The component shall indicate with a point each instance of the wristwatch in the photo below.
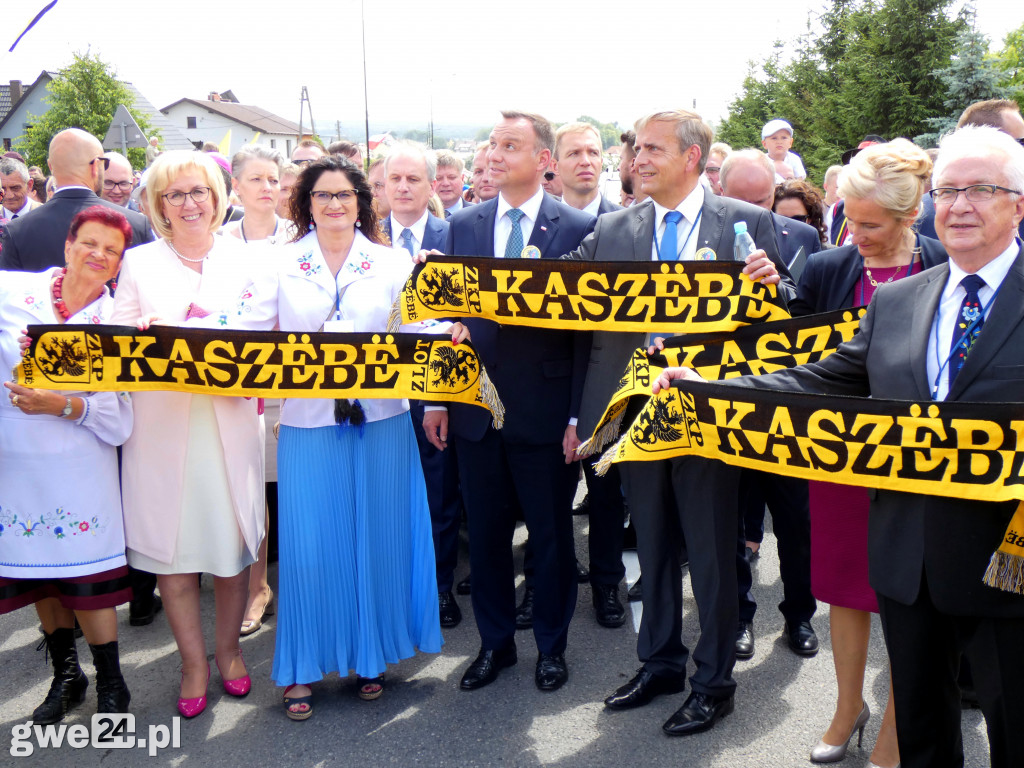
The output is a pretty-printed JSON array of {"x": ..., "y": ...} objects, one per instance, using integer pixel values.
[{"x": 67, "y": 408}]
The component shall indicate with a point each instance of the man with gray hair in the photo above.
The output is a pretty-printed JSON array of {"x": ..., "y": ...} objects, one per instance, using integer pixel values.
[
  {"x": 35, "y": 241},
  {"x": 14, "y": 180},
  {"x": 449, "y": 181},
  {"x": 118, "y": 180},
  {"x": 961, "y": 339}
]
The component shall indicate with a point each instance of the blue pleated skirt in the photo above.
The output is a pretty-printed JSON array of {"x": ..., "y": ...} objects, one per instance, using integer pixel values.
[{"x": 356, "y": 577}]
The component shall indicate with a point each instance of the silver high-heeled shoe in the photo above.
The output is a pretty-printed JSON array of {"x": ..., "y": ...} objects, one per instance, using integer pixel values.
[
  {"x": 875, "y": 765},
  {"x": 828, "y": 753}
]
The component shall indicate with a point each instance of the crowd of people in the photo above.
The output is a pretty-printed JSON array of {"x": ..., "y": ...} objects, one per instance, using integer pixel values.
[{"x": 362, "y": 500}]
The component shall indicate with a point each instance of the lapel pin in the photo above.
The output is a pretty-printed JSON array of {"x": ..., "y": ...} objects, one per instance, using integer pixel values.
[
  {"x": 543, "y": 229},
  {"x": 530, "y": 252}
]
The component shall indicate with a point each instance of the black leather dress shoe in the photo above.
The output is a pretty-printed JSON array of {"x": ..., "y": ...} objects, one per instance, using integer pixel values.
[
  {"x": 485, "y": 667},
  {"x": 551, "y": 671},
  {"x": 801, "y": 637},
  {"x": 610, "y": 612},
  {"x": 524, "y": 611},
  {"x": 699, "y": 713},
  {"x": 583, "y": 508},
  {"x": 582, "y": 574},
  {"x": 142, "y": 612},
  {"x": 745, "y": 640},
  {"x": 636, "y": 593},
  {"x": 465, "y": 586},
  {"x": 448, "y": 610},
  {"x": 644, "y": 686}
]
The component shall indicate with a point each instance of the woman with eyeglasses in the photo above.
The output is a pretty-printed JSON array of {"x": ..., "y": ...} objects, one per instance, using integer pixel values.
[
  {"x": 357, "y": 588},
  {"x": 796, "y": 199},
  {"x": 882, "y": 187},
  {"x": 191, "y": 476}
]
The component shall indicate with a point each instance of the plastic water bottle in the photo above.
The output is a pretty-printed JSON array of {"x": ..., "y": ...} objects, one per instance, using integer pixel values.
[{"x": 743, "y": 245}]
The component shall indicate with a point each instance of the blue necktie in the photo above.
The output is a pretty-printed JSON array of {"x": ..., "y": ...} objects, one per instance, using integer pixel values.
[
  {"x": 514, "y": 246},
  {"x": 962, "y": 341},
  {"x": 670, "y": 240},
  {"x": 407, "y": 242}
]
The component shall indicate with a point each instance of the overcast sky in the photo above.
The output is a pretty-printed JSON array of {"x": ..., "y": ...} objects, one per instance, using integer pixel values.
[{"x": 465, "y": 58}]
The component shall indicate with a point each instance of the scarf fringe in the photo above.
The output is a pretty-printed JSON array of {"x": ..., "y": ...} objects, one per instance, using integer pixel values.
[
  {"x": 489, "y": 393},
  {"x": 395, "y": 316},
  {"x": 605, "y": 436},
  {"x": 1006, "y": 572},
  {"x": 603, "y": 464}
]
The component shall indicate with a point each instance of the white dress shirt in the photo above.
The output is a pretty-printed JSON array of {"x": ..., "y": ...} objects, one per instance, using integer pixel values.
[
  {"x": 6, "y": 213},
  {"x": 503, "y": 224},
  {"x": 944, "y": 324},
  {"x": 686, "y": 238},
  {"x": 417, "y": 229}
]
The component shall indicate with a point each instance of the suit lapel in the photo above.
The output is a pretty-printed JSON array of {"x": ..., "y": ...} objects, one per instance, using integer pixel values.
[
  {"x": 546, "y": 227},
  {"x": 643, "y": 232},
  {"x": 1006, "y": 314},
  {"x": 926, "y": 304},
  {"x": 712, "y": 225},
  {"x": 483, "y": 228}
]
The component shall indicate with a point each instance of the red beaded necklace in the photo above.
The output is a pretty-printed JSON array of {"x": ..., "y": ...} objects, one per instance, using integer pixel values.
[{"x": 58, "y": 302}]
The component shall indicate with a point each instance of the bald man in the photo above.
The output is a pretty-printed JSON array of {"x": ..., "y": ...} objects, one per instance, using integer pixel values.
[
  {"x": 35, "y": 241},
  {"x": 118, "y": 180}
]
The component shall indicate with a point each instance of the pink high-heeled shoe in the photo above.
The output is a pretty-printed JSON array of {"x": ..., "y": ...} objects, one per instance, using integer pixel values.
[
  {"x": 238, "y": 687},
  {"x": 190, "y": 708}
]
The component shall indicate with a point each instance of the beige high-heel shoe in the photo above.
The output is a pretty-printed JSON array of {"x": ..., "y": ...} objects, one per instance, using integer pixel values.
[{"x": 829, "y": 753}]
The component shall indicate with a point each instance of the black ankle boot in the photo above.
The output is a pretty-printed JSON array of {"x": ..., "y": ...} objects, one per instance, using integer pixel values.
[
  {"x": 69, "y": 684},
  {"x": 111, "y": 692}
]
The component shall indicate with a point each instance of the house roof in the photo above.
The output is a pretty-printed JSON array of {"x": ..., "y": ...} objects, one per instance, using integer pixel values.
[
  {"x": 171, "y": 137},
  {"x": 256, "y": 118}
]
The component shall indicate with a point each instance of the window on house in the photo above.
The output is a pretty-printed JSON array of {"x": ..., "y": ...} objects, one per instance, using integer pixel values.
[
  {"x": 190, "y": 122},
  {"x": 7, "y": 145},
  {"x": 289, "y": 145},
  {"x": 273, "y": 143}
]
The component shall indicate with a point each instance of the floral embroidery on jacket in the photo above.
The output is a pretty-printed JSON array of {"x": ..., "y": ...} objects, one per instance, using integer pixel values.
[{"x": 306, "y": 265}]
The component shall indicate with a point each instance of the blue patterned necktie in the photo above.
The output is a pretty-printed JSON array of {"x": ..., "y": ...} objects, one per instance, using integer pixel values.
[
  {"x": 962, "y": 341},
  {"x": 670, "y": 240},
  {"x": 407, "y": 242},
  {"x": 514, "y": 246}
]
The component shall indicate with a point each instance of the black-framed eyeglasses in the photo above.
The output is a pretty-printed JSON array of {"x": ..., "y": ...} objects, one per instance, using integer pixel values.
[
  {"x": 124, "y": 186},
  {"x": 799, "y": 217},
  {"x": 198, "y": 195},
  {"x": 549, "y": 175},
  {"x": 304, "y": 162},
  {"x": 975, "y": 193},
  {"x": 324, "y": 198},
  {"x": 101, "y": 159}
]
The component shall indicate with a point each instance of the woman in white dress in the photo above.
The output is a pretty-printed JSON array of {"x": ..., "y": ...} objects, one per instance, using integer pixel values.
[
  {"x": 191, "y": 477},
  {"x": 61, "y": 533}
]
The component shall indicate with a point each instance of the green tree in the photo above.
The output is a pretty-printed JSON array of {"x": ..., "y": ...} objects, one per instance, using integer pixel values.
[
  {"x": 1010, "y": 62},
  {"x": 971, "y": 76},
  {"x": 758, "y": 102},
  {"x": 85, "y": 95}
]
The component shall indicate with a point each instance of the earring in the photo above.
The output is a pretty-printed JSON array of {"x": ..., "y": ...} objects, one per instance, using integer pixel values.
[{"x": 359, "y": 223}]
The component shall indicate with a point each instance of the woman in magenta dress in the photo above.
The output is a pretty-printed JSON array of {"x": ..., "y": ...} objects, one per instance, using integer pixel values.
[{"x": 882, "y": 188}]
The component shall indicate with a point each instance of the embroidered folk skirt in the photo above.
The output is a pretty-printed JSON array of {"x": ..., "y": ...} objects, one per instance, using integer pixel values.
[{"x": 356, "y": 583}]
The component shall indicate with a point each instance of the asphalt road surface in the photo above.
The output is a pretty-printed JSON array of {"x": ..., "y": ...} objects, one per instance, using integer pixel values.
[{"x": 783, "y": 702}]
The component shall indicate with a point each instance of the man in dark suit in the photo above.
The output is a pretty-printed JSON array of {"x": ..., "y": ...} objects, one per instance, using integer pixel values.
[
  {"x": 538, "y": 374},
  {"x": 450, "y": 169},
  {"x": 409, "y": 180},
  {"x": 691, "y": 497},
  {"x": 927, "y": 554},
  {"x": 749, "y": 175},
  {"x": 35, "y": 241},
  {"x": 579, "y": 160}
]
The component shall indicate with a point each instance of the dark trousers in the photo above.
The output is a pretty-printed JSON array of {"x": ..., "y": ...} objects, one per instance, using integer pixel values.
[
  {"x": 787, "y": 500},
  {"x": 607, "y": 515},
  {"x": 698, "y": 499},
  {"x": 492, "y": 472},
  {"x": 925, "y": 646},
  {"x": 441, "y": 475}
]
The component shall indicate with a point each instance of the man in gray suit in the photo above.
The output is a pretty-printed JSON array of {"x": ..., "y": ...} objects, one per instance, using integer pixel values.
[
  {"x": 927, "y": 554},
  {"x": 693, "y": 496}
]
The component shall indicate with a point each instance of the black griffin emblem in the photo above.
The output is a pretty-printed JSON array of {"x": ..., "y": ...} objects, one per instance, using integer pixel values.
[
  {"x": 623, "y": 382},
  {"x": 451, "y": 366},
  {"x": 660, "y": 427},
  {"x": 441, "y": 288},
  {"x": 64, "y": 358}
]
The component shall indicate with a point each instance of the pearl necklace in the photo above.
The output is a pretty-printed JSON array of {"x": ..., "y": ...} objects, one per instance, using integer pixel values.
[{"x": 186, "y": 258}]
